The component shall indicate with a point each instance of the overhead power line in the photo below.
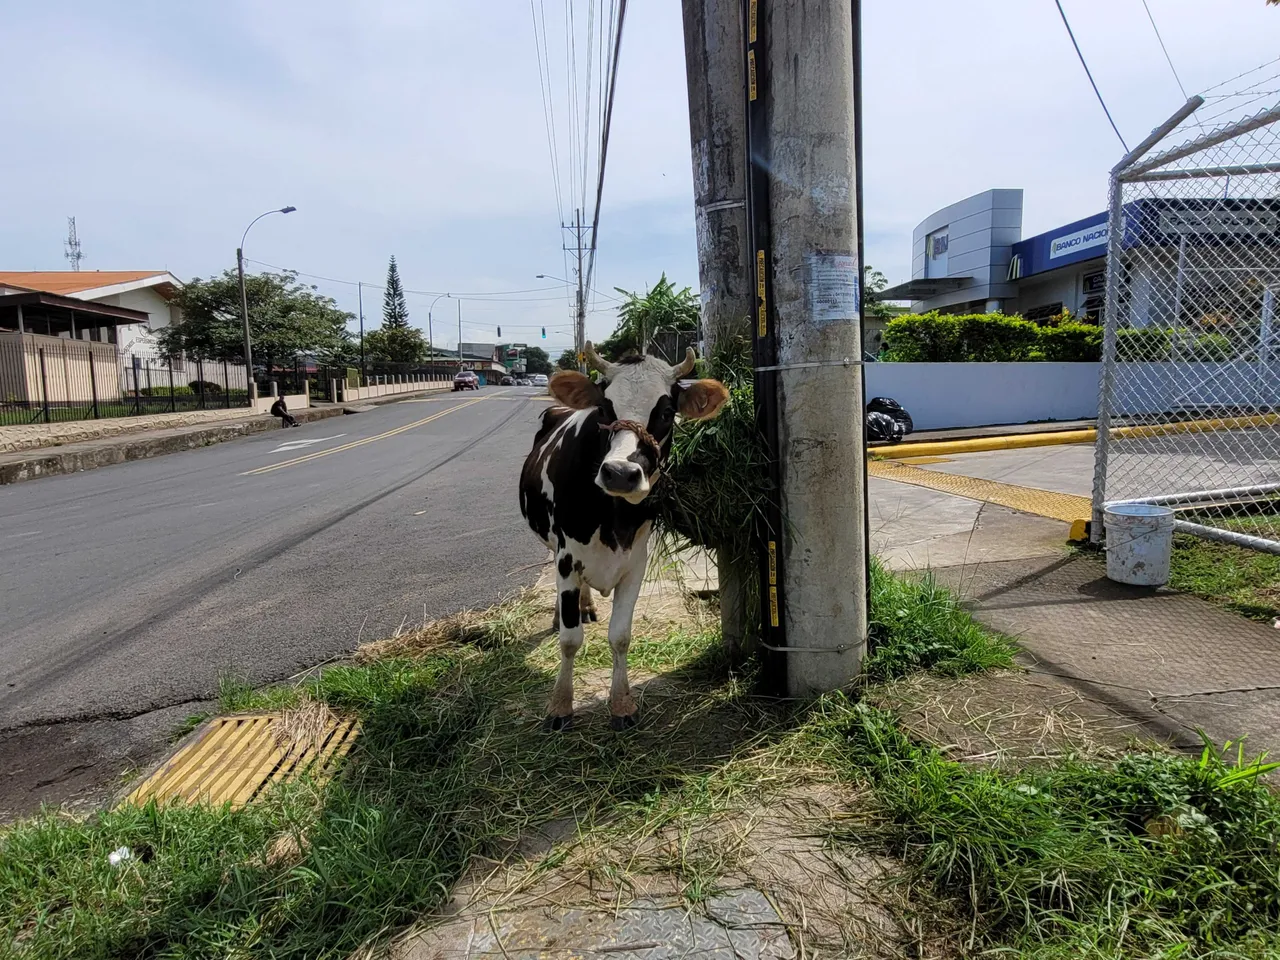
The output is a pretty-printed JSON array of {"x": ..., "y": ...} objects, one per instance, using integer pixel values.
[
  {"x": 1168, "y": 59},
  {"x": 1062, "y": 13},
  {"x": 494, "y": 296}
]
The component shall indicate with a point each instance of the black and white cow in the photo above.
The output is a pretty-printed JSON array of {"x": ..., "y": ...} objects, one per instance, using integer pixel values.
[{"x": 583, "y": 490}]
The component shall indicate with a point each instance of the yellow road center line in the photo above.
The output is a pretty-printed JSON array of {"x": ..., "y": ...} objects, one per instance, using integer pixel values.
[
  {"x": 357, "y": 443},
  {"x": 1066, "y": 507}
]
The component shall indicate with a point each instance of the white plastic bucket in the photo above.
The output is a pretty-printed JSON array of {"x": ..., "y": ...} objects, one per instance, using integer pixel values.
[{"x": 1139, "y": 543}]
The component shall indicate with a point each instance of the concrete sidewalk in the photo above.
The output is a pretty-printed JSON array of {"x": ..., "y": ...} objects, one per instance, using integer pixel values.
[
  {"x": 104, "y": 451},
  {"x": 1170, "y": 661},
  {"x": 89, "y": 444}
]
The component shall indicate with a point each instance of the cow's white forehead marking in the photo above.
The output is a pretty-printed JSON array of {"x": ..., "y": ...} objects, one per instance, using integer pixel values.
[{"x": 636, "y": 388}]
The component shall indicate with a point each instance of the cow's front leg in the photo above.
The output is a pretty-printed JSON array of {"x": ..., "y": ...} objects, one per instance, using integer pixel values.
[
  {"x": 623, "y": 712},
  {"x": 560, "y": 709}
]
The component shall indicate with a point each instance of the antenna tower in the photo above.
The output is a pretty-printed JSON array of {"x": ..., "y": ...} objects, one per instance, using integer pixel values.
[{"x": 72, "y": 251}]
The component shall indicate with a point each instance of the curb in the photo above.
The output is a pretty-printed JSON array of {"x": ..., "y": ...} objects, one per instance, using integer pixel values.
[
  {"x": 1012, "y": 441},
  {"x": 57, "y": 461},
  {"x": 1018, "y": 441}
]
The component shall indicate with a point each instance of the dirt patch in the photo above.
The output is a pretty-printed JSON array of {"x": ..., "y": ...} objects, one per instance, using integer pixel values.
[
  {"x": 831, "y": 901},
  {"x": 1006, "y": 718}
]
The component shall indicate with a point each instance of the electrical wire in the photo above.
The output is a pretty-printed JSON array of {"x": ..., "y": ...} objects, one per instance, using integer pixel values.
[
  {"x": 1169, "y": 59},
  {"x": 1088, "y": 74},
  {"x": 494, "y": 296},
  {"x": 604, "y": 139},
  {"x": 548, "y": 107}
]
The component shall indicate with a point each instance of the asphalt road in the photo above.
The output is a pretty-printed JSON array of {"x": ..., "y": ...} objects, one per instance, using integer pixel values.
[{"x": 126, "y": 592}]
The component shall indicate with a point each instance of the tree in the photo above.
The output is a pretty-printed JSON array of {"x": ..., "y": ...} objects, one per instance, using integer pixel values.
[
  {"x": 873, "y": 281},
  {"x": 395, "y": 312},
  {"x": 568, "y": 360},
  {"x": 537, "y": 361},
  {"x": 286, "y": 318},
  {"x": 396, "y": 344},
  {"x": 640, "y": 317}
]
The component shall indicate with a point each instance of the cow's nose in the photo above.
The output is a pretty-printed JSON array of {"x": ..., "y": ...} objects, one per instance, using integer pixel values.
[{"x": 620, "y": 476}]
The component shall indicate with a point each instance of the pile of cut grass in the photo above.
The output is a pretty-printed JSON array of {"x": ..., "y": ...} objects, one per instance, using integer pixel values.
[{"x": 1153, "y": 855}]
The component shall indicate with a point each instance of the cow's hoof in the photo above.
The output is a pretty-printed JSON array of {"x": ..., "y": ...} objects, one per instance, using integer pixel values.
[
  {"x": 557, "y": 724},
  {"x": 590, "y": 616},
  {"x": 624, "y": 723}
]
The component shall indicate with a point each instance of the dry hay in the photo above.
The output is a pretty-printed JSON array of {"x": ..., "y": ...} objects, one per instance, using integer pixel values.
[
  {"x": 509, "y": 621},
  {"x": 304, "y": 726},
  {"x": 1005, "y": 718},
  {"x": 834, "y": 901}
]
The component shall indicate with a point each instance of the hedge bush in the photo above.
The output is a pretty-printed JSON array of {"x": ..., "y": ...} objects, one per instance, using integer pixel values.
[
  {"x": 970, "y": 338},
  {"x": 1070, "y": 343},
  {"x": 938, "y": 338}
]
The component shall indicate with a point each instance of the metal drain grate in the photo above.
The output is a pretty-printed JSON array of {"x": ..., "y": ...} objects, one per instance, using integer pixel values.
[
  {"x": 1043, "y": 503},
  {"x": 234, "y": 759}
]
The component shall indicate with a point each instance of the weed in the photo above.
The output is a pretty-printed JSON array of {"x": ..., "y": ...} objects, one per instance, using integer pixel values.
[
  {"x": 1153, "y": 853},
  {"x": 1245, "y": 581},
  {"x": 918, "y": 625}
]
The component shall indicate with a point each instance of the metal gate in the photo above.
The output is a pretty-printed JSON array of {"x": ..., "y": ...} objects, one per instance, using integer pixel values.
[{"x": 1189, "y": 406}]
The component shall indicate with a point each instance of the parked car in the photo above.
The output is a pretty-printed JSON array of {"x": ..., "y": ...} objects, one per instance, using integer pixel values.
[
  {"x": 524, "y": 382},
  {"x": 507, "y": 381},
  {"x": 538, "y": 380},
  {"x": 466, "y": 380}
]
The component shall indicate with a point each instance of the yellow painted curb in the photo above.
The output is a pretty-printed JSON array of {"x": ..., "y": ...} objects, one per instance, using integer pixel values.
[
  {"x": 1013, "y": 441},
  {"x": 1018, "y": 441}
]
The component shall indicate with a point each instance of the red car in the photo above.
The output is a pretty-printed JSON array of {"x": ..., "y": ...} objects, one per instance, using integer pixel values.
[{"x": 466, "y": 380}]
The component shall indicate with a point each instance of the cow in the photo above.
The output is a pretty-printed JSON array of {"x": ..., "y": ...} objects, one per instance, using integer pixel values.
[{"x": 585, "y": 490}]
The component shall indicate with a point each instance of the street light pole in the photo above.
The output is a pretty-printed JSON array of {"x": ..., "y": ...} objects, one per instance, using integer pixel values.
[
  {"x": 364, "y": 374},
  {"x": 431, "y": 341},
  {"x": 250, "y": 383}
]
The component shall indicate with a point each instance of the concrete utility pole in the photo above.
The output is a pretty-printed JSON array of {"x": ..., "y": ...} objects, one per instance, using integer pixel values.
[
  {"x": 713, "y": 51},
  {"x": 809, "y": 82}
]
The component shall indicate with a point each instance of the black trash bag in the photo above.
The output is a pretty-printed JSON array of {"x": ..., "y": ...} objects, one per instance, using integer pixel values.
[
  {"x": 882, "y": 428},
  {"x": 892, "y": 408}
]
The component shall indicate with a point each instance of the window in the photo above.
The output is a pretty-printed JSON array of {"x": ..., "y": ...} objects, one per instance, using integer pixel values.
[{"x": 1041, "y": 314}]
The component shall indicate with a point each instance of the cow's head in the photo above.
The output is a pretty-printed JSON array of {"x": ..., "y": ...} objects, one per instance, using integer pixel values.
[{"x": 638, "y": 400}]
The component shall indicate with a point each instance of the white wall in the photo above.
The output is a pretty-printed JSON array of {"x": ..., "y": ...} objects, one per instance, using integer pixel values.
[
  {"x": 942, "y": 395},
  {"x": 146, "y": 300}
]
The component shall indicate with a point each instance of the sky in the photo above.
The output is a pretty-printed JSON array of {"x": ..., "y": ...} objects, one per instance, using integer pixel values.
[{"x": 417, "y": 128}]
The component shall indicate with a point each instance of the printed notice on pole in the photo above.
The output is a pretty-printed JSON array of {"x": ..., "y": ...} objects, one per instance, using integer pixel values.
[{"x": 833, "y": 287}]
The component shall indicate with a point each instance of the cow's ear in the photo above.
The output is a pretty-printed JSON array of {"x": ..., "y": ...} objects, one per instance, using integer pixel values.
[
  {"x": 575, "y": 390},
  {"x": 702, "y": 399}
]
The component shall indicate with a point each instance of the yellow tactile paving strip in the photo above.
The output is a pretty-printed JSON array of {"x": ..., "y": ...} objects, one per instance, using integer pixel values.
[
  {"x": 1043, "y": 503},
  {"x": 234, "y": 759}
]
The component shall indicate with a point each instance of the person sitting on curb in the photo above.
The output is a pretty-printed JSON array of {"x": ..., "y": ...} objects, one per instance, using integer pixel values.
[{"x": 278, "y": 409}]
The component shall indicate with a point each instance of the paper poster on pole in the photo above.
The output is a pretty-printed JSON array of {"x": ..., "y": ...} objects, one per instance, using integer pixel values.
[{"x": 833, "y": 287}]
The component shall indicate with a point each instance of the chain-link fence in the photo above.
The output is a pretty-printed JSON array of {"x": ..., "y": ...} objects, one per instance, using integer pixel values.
[{"x": 1189, "y": 410}]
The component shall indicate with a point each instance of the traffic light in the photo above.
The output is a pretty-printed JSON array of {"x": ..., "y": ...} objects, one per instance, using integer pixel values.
[
  {"x": 544, "y": 333},
  {"x": 499, "y": 333}
]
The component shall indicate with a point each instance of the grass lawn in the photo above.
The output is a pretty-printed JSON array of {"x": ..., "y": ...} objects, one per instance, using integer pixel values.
[
  {"x": 920, "y": 851},
  {"x": 1245, "y": 581}
]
